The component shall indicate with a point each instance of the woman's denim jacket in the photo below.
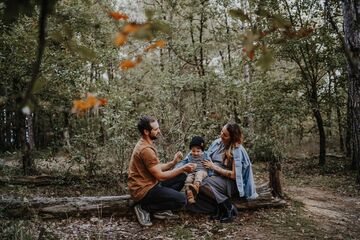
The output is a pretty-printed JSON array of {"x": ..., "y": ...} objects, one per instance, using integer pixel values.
[{"x": 243, "y": 169}]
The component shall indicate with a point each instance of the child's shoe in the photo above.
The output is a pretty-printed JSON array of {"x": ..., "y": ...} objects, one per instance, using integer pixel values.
[
  {"x": 194, "y": 188},
  {"x": 190, "y": 197}
]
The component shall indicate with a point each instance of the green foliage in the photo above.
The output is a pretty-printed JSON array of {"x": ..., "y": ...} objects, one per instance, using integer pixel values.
[
  {"x": 266, "y": 149},
  {"x": 266, "y": 60},
  {"x": 17, "y": 230},
  {"x": 238, "y": 13},
  {"x": 200, "y": 81}
]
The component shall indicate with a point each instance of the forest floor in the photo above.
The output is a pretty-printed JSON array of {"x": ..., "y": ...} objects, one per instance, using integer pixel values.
[{"x": 323, "y": 203}]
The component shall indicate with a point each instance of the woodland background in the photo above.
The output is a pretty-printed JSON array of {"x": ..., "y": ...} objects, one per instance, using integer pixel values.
[{"x": 76, "y": 76}]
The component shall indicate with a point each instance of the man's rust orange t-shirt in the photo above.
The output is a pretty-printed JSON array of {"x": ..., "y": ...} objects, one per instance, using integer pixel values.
[{"x": 140, "y": 180}]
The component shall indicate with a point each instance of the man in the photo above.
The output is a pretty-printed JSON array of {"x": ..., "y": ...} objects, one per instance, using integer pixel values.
[{"x": 153, "y": 185}]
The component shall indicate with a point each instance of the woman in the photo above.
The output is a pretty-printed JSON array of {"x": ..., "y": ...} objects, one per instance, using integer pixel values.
[{"x": 232, "y": 175}]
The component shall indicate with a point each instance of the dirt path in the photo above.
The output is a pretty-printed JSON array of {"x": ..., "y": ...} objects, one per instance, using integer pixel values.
[{"x": 335, "y": 214}]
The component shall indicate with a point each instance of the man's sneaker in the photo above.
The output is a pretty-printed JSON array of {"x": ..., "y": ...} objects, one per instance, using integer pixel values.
[
  {"x": 166, "y": 215},
  {"x": 142, "y": 216}
]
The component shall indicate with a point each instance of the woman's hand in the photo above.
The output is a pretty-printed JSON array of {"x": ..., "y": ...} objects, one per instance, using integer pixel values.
[{"x": 208, "y": 164}]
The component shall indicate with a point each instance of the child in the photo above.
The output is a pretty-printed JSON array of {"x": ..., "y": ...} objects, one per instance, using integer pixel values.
[{"x": 194, "y": 179}]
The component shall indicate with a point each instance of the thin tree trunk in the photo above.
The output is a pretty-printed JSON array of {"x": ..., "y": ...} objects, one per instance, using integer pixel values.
[
  {"x": 319, "y": 122},
  {"x": 66, "y": 130},
  {"x": 228, "y": 44},
  {"x": 348, "y": 128},
  {"x": 329, "y": 110},
  {"x": 28, "y": 164},
  {"x": 338, "y": 115},
  {"x": 204, "y": 96},
  {"x": 320, "y": 125},
  {"x": 30, "y": 130}
]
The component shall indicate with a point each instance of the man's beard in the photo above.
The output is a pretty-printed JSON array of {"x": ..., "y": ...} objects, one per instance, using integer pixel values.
[{"x": 153, "y": 137}]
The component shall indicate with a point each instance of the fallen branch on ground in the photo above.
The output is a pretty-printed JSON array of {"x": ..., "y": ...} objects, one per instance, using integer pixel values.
[{"x": 103, "y": 206}]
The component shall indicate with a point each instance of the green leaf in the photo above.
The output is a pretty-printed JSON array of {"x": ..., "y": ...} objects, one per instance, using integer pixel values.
[
  {"x": 278, "y": 21},
  {"x": 238, "y": 13},
  {"x": 83, "y": 51},
  {"x": 266, "y": 60},
  {"x": 86, "y": 52},
  {"x": 39, "y": 85},
  {"x": 68, "y": 31},
  {"x": 149, "y": 13},
  {"x": 56, "y": 36},
  {"x": 161, "y": 26},
  {"x": 249, "y": 39},
  {"x": 144, "y": 34},
  {"x": 262, "y": 12}
]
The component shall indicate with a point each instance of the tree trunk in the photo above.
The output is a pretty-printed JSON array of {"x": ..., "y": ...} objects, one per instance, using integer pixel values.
[
  {"x": 320, "y": 125},
  {"x": 351, "y": 10},
  {"x": 30, "y": 130},
  {"x": 29, "y": 143},
  {"x": 319, "y": 121},
  {"x": 104, "y": 205},
  {"x": 348, "y": 129},
  {"x": 329, "y": 111},
  {"x": 3, "y": 136},
  {"x": 275, "y": 178},
  {"x": 338, "y": 115}
]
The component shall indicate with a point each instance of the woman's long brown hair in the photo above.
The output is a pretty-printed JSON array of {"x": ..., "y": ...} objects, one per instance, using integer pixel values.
[{"x": 236, "y": 137}]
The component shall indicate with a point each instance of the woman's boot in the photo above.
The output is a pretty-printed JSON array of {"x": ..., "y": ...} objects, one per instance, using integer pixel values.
[
  {"x": 219, "y": 213},
  {"x": 229, "y": 213}
]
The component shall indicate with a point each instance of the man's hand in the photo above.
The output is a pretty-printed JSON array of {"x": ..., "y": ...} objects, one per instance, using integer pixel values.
[
  {"x": 190, "y": 167},
  {"x": 178, "y": 157}
]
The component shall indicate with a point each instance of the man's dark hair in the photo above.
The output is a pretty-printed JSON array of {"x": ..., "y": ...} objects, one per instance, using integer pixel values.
[{"x": 144, "y": 124}]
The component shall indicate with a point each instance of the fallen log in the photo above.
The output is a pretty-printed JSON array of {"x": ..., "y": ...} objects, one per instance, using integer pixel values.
[
  {"x": 102, "y": 206},
  {"x": 40, "y": 180}
]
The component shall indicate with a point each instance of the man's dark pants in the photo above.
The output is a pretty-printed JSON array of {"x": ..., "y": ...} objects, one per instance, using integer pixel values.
[{"x": 165, "y": 195}]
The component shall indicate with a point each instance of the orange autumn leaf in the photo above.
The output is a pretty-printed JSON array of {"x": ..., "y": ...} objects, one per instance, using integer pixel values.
[
  {"x": 131, "y": 28},
  {"x": 103, "y": 101},
  {"x": 127, "y": 64},
  {"x": 120, "y": 39},
  {"x": 118, "y": 16},
  {"x": 150, "y": 47},
  {"x": 91, "y": 101},
  {"x": 251, "y": 54},
  {"x": 79, "y": 105},
  {"x": 160, "y": 43}
]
